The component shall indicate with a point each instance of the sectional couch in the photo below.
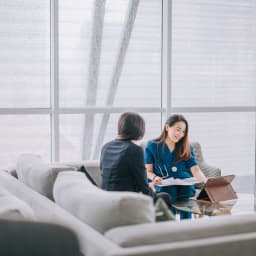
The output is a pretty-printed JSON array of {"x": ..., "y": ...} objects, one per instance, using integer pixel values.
[{"x": 118, "y": 223}]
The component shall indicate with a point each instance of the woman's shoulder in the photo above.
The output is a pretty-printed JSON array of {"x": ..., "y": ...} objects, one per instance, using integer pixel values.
[
  {"x": 106, "y": 144},
  {"x": 125, "y": 144},
  {"x": 109, "y": 143},
  {"x": 151, "y": 144},
  {"x": 116, "y": 144},
  {"x": 133, "y": 148}
]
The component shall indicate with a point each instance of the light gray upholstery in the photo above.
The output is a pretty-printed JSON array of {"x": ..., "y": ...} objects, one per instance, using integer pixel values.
[
  {"x": 74, "y": 192},
  {"x": 92, "y": 166},
  {"x": 229, "y": 236},
  {"x": 209, "y": 171},
  {"x": 137, "y": 235},
  {"x": 47, "y": 211},
  {"x": 11, "y": 207},
  {"x": 37, "y": 174}
]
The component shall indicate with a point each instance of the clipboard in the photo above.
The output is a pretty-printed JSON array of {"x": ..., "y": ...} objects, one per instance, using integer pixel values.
[{"x": 218, "y": 189}]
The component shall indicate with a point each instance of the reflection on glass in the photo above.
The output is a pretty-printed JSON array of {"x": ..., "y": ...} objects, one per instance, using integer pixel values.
[{"x": 243, "y": 205}]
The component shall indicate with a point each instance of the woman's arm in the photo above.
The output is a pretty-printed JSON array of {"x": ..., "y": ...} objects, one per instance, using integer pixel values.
[
  {"x": 149, "y": 160},
  {"x": 194, "y": 168},
  {"x": 156, "y": 180},
  {"x": 137, "y": 167},
  {"x": 198, "y": 174}
]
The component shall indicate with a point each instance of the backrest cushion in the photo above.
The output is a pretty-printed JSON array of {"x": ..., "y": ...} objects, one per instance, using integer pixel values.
[
  {"x": 101, "y": 209},
  {"x": 13, "y": 208},
  {"x": 37, "y": 174},
  {"x": 11, "y": 170},
  {"x": 91, "y": 166}
]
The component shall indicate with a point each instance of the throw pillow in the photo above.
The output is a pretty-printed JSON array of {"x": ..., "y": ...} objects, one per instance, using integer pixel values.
[
  {"x": 98, "y": 208},
  {"x": 92, "y": 168},
  {"x": 37, "y": 174}
]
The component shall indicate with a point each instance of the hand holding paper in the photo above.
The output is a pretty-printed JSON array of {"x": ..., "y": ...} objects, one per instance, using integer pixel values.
[{"x": 183, "y": 182}]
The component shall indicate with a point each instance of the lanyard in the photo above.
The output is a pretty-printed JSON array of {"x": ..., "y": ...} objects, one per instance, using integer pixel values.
[{"x": 161, "y": 162}]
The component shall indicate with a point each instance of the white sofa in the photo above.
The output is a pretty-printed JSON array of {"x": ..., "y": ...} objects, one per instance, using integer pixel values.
[{"x": 229, "y": 235}]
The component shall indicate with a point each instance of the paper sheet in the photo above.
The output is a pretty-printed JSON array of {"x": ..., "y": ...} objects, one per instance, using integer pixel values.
[{"x": 184, "y": 182}]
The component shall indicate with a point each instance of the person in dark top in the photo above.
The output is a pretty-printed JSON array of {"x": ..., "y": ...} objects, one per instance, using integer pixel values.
[{"x": 122, "y": 161}]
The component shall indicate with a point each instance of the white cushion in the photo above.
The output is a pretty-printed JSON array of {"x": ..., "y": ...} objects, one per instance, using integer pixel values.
[
  {"x": 37, "y": 174},
  {"x": 175, "y": 231},
  {"x": 13, "y": 208},
  {"x": 101, "y": 209},
  {"x": 92, "y": 167}
]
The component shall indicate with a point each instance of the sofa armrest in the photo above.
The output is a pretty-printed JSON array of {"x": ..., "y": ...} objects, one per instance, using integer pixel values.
[
  {"x": 169, "y": 232},
  {"x": 235, "y": 245}
]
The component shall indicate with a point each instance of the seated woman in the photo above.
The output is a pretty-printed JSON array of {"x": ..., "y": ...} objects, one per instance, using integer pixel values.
[
  {"x": 170, "y": 155},
  {"x": 122, "y": 161}
]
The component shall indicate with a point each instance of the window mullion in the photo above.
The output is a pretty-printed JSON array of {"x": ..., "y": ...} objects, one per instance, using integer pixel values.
[
  {"x": 54, "y": 62},
  {"x": 166, "y": 58}
]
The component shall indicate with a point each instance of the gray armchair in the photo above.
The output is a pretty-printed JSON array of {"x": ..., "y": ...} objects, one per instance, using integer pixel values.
[{"x": 209, "y": 171}]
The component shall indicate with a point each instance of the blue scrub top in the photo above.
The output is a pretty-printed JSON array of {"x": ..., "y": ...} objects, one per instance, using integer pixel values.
[{"x": 162, "y": 159}]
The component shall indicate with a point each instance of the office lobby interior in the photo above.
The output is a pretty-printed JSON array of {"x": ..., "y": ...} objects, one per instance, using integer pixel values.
[{"x": 69, "y": 69}]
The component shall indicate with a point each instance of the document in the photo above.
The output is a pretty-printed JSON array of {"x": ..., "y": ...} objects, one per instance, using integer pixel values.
[{"x": 183, "y": 182}]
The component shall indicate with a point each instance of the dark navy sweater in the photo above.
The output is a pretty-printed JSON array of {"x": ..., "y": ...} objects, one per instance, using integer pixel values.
[{"x": 122, "y": 167}]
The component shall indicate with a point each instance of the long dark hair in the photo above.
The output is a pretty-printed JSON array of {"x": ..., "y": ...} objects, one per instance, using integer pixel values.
[
  {"x": 182, "y": 147},
  {"x": 131, "y": 126}
]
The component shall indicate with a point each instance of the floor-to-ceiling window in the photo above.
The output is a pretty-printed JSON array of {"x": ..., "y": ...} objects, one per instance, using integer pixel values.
[
  {"x": 110, "y": 62},
  {"x": 69, "y": 68},
  {"x": 24, "y": 79},
  {"x": 213, "y": 80}
]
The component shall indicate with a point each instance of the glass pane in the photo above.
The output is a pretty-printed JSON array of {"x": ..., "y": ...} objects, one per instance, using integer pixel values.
[
  {"x": 141, "y": 71},
  {"x": 87, "y": 69},
  {"x": 213, "y": 53},
  {"x": 75, "y": 24},
  {"x": 228, "y": 142},
  {"x": 71, "y": 133},
  {"x": 25, "y": 53},
  {"x": 24, "y": 134}
]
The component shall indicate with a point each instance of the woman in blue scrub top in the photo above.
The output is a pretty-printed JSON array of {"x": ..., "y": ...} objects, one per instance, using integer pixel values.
[{"x": 170, "y": 155}]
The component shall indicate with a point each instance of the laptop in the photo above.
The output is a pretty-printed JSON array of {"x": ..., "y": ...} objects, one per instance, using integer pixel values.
[{"x": 218, "y": 189}]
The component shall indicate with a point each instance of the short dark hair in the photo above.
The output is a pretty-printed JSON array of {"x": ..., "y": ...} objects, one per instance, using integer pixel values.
[{"x": 131, "y": 126}]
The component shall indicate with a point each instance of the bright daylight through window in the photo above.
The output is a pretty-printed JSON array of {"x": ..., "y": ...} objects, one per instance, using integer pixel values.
[{"x": 69, "y": 68}]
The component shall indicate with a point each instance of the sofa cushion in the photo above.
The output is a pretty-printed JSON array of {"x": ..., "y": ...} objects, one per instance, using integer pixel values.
[
  {"x": 91, "y": 166},
  {"x": 13, "y": 208},
  {"x": 37, "y": 174},
  {"x": 169, "y": 232},
  {"x": 101, "y": 209},
  {"x": 11, "y": 170}
]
